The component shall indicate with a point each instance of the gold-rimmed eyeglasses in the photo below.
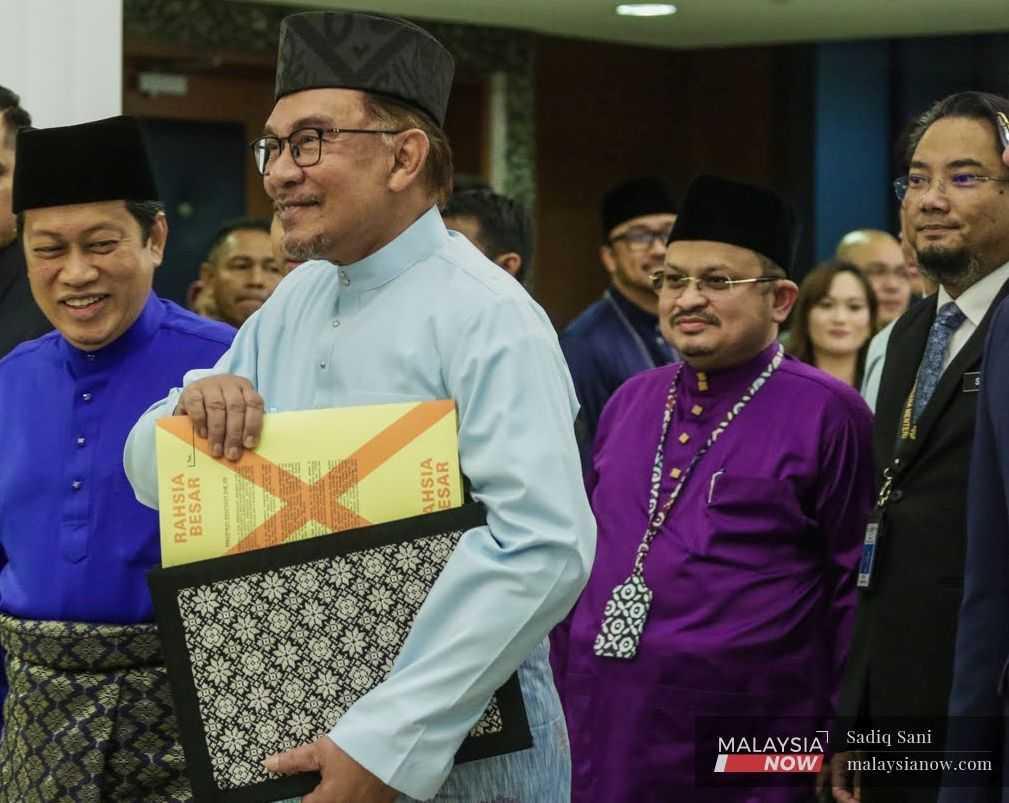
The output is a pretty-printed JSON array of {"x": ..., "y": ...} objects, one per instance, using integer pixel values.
[
  {"x": 305, "y": 144},
  {"x": 664, "y": 281}
]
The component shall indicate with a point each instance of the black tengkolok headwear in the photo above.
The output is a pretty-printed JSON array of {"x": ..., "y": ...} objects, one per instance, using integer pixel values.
[
  {"x": 368, "y": 52},
  {"x": 104, "y": 160},
  {"x": 744, "y": 215},
  {"x": 634, "y": 198}
]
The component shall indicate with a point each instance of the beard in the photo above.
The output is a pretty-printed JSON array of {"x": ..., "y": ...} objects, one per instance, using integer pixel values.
[
  {"x": 955, "y": 267},
  {"x": 311, "y": 248}
]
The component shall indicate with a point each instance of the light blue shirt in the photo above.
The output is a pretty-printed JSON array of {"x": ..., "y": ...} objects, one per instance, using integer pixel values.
[
  {"x": 875, "y": 359},
  {"x": 429, "y": 317}
]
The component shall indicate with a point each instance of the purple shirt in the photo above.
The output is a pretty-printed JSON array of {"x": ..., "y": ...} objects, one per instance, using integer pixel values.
[{"x": 753, "y": 572}]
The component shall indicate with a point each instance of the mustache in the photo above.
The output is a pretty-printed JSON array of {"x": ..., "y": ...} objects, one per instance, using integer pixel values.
[
  {"x": 282, "y": 203},
  {"x": 697, "y": 316}
]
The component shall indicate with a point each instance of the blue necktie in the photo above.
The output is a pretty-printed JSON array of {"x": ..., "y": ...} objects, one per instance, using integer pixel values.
[{"x": 946, "y": 323}]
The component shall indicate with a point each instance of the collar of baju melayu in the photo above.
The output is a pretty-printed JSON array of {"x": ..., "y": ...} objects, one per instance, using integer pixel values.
[
  {"x": 634, "y": 313},
  {"x": 727, "y": 381},
  {"x": 415, "y": 244},
  {"x": 137, "y": 336}
]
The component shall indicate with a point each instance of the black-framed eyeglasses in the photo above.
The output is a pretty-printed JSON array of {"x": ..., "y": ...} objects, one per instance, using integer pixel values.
[
  {"x": 640, "y": 238},
  {"x": 305, "y": 143},
  {"x": 676, "y": 283},
  {"x": 916, "y": 184}
]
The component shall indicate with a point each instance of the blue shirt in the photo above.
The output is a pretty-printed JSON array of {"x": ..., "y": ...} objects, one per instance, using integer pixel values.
[
  {"x": 429, "y": 317},
  {"x": 611, "y": 341},
  {"x": 75, "y": 545}
]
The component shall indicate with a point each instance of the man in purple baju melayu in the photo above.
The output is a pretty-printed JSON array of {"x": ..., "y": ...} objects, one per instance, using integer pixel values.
[{"x": 731, "y": 492}]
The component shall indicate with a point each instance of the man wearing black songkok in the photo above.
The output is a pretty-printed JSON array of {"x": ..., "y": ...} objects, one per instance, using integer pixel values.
[
  {"x": 391, "y": 305},
  {"x": 87, "y": 715},
  {"x": 20, "y": 317},
  {"x": 618, "y": 336},
  {"x": 731, "y": 491}
]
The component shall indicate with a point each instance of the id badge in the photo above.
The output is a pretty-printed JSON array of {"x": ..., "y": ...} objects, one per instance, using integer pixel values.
[{"x": 869, "y": 548}]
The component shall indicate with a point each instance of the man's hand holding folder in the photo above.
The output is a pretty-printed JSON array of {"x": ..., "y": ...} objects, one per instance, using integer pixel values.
[{"x": 227, "y": 411}]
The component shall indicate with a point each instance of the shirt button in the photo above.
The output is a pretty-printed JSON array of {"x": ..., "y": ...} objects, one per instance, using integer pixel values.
[
  {"x": 80, "y": 440},
  {"x": 335, "y": 324},
  {"x": 86, "y": 396},
  {"x": 896, "y": 496},
  {"x": 684, "y": 437},
  {"x": 76, "y": 485},
  {"x": 344, "y": 278},
  {"x": 322, "y": 365}
]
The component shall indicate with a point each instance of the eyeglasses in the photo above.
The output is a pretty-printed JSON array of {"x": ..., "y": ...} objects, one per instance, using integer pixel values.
[
  {"x": 306, "y": 145},
  {"x": 676, "y": 283},
  {"x": 916, "y": 185},
  {"x": 640, "y": 238}
]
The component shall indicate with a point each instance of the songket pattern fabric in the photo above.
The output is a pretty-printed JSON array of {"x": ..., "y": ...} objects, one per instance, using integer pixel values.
[
  {"x": 274, "y": 667},
  {"x": 624, "y": 619},
  {"x": 89, "y": 716}
]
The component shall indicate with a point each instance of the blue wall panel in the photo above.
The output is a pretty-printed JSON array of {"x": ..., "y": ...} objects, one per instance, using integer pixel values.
[{"x": 853, "y": 141}]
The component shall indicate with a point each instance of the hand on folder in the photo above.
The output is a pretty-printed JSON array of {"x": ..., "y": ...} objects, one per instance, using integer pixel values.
[
  {"x": 343, "y": 779},
  {"x": 227, "y": 411}
]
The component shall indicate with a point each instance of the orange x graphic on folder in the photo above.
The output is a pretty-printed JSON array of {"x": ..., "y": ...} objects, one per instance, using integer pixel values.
[{"x": 314, "y": 472}]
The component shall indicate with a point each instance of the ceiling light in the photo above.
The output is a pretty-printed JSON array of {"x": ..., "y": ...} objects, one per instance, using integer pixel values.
[{"x": 646, "y": 9}]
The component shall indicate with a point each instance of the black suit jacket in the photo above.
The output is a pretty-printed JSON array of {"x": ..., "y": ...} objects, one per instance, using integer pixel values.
[
  {"x": 20, "y": 317},
  {"x": 901, "y": 658}
]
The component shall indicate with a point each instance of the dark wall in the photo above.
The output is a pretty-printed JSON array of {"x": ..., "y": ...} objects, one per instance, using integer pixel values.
[{"x": 607, "y": 112}]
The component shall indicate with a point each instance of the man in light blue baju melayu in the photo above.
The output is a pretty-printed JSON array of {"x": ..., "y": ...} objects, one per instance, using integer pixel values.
[{"x": 395, "y": 308}]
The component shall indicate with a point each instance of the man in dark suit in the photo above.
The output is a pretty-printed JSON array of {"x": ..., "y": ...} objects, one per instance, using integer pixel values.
[
  {"x": 956, "y": 198},
  {"x": 20, "y": 317},
  {"x": 977, "y": 704}
]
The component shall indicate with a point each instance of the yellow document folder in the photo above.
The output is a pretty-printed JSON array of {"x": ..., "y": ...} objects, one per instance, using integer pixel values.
[{"x": 314, "y": 472}]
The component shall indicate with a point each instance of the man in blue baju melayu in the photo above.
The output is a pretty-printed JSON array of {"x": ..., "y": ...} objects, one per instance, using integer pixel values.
[{"x": 87, "y": 714}]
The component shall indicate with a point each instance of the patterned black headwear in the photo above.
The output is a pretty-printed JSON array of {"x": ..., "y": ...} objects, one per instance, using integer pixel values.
[
  {"x": 104, "y": 160},
  {"x": 368, "y": 52},
  {"x": 725, "y": 211}
]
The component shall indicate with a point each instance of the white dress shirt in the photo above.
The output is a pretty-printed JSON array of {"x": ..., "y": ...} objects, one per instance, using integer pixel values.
[{"x": 973, "y": 303}]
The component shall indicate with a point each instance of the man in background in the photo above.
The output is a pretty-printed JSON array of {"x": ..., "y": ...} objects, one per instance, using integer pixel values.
[
  {"x": 618, "y": 336},
  {"x": 496, "y": 225},
  {"x": 878, "y": 255},
  {"x": 875, "y": 358},
  {"x": 241, "y": 270},
  {"x": 20, "y": 317}
]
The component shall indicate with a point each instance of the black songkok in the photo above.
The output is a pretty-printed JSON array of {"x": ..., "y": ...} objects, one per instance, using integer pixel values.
[
  {"x": 634, "y": 198},
  {"x": 81, "y": 164},
  {"x": 368, "y": 52},
  {"x": 725, "y": 211}
]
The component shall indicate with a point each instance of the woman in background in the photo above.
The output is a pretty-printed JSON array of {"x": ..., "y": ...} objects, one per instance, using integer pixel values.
[{"x": 833, "y": 321}]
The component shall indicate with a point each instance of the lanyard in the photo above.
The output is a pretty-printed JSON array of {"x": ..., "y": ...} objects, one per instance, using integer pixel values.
[
  {"x": 631, "y": 330},
  {"x": 909, "y": 430},
  {"x": 627, "y": 609}
]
